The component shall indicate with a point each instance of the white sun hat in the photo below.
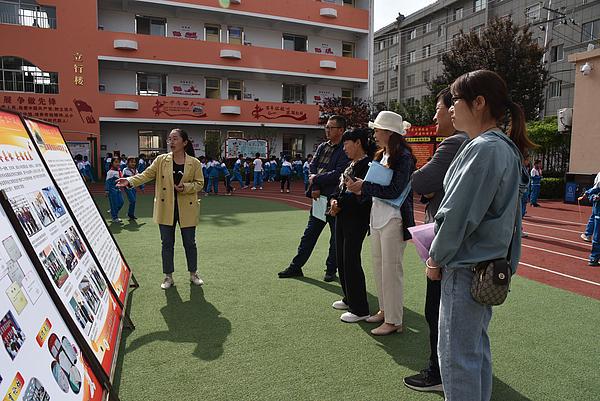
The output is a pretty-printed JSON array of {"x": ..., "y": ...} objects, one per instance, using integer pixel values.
[{"x": 390, "y": 121}]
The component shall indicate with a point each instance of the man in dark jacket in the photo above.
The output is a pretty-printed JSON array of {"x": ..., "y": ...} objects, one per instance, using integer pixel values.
[
  {"x": 325, "y": 170},
  {"x": 428, "y": 181}
]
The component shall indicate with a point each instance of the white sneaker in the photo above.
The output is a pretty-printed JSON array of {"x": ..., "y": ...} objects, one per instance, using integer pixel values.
[
  {"x": 253, "y": 188},
  {"x": 586, "y": 238},
  {"x": 350, "y": 317},
  {"x": 260, "y": 188},
  {"x": 194, "y": 279},
  {"x": 167, "y": 283},
  {"x": 340, "y": 305}
]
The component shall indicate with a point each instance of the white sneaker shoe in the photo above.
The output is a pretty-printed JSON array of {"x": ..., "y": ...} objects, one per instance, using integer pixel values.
[
  {"x": 194, "y": 279},
  {"x": 340, "y": 305},
  {"x": 586, "y": 238},
  {"x": 167, "y": 283},
  {"x": 350, "y": 317},
  {"x": 253, "y": 188}
]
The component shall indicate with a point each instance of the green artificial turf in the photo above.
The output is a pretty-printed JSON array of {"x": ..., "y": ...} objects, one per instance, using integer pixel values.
[{"x": 247, "y": 335}]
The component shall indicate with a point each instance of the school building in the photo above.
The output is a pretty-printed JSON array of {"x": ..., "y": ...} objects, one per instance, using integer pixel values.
[{"x": 118, "y": 75}]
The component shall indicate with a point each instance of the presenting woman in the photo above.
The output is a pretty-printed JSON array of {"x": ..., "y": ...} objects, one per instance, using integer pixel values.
[
  {"x": 478, "y": 220},
  {"x": 389, "y": 223},
  {"x": 351, "y": 226},
  {"x": 179, "y": 178}
]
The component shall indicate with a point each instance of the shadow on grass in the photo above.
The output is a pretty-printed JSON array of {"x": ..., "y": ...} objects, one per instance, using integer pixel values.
[
  {"x": 411, "y": 348},
  {"x": 195, "y": 321}
]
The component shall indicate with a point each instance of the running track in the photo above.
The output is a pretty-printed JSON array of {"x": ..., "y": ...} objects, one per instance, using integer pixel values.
[{"x": 552, "y": 254}]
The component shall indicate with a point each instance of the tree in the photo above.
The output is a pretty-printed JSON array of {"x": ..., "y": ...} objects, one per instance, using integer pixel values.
[
  {"x": 508, "y": 50},
  {"x": 417, "y": 113},
  {"x": 553, "y": 148},
  {"x": 356, "y": 111}
]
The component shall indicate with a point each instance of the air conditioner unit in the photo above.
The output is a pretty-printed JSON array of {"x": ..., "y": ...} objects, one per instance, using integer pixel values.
[
  {"x": 565, "y": 119},
  {"x": 395, "y": 67}
]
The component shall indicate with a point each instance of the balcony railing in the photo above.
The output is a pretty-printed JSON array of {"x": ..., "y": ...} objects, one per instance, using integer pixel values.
[{"x": 27, "y": 15}]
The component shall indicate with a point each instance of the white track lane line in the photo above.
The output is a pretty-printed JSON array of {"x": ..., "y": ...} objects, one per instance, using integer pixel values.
[
  {"x": 560, "y": 274},
  {"x": 530, "y": 234},
  {"x": 560, "y": 221},
  {"x": 554, "y": 252},
  {"x": 258, "y": 196}
]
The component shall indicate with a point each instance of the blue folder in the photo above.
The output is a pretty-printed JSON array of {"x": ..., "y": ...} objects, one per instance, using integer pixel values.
[{"x": 379, "y": 174}]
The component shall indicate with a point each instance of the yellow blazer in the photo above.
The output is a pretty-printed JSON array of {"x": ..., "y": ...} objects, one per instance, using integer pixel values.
[{"x": 161, "y": 170}]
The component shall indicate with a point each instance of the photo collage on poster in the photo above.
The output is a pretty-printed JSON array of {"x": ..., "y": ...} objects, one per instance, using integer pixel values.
[
  {"x": 58, "y": 245},
  {"x": 40, "y": 360},
  {"x": 55, "y": 152}
]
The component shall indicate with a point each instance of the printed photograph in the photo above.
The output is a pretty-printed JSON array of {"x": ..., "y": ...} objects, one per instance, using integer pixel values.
[
  {"x": 83, "y": 314},
  {"x": 41, "y": 209},
  {"x": 89, "y": 294},
  {"x": 54, "y": 266},
  {"x": 54, "y": 201},
  {"x": 66, "y": 253},
  {"x": 12, "y": 249},
  {"x": 12, "y": 335},
  {"x": 35, "y": 391},
  {"x": 60, "y": 376},
  {"x": 24, "y": 213},
  {"x": 75, "y": 241},
  {"x": 97, "y": 279}
]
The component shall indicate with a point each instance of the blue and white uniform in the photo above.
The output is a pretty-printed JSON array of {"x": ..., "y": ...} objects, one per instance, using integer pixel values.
[
  {"x": 115, "y": 196},
  {"x": 130, "y": 192}
]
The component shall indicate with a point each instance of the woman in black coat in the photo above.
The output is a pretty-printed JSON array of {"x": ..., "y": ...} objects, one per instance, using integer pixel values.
[{"x": 352, "y": 225}]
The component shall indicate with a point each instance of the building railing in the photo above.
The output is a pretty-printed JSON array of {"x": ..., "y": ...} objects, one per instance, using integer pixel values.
[{"x": 27, "y": 15}]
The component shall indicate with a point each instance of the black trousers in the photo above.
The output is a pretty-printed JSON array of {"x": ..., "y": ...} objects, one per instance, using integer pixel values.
[
  {"x": 309, "y": 240},
  {"x": 349, "y": 236},
  {"x": 432, "y": 315},
  {"x": 284, "y": 179}
]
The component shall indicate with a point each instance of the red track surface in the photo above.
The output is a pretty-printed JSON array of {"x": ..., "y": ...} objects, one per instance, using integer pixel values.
[{"x": 552, "y": 254}]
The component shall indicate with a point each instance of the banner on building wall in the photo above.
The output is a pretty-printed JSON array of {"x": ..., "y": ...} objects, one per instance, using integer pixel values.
[
  {"x": 249, "y": 148},
  {"x": 50, "y": 108},
  {"x": 79, "y": 148},
  {"x": 324, "y": 48},
  {"x": 40, "y": 359},
  {"x": 184, "y": 31},
  {"x": 422, "y": 140},
  {"x": 185, "y": 87},
  {"x": 323, "y": 94},
  {"x": 55, "y": 244},
  {"x": 51, "y": 145}
]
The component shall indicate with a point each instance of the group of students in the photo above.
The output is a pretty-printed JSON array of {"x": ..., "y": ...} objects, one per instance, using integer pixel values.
[
  {"x": 472, "y": 188},
  {"x": 116, "y": 168},
  {"x": 244, "y": 168}
]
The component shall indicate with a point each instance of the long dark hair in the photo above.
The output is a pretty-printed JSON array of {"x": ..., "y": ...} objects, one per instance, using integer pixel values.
[
  {"x": 189, "y": 147},
  {"x": 506, "y": 112},
  {"x": 396, "y": 147},
  {"x": 364, "y": 136}
]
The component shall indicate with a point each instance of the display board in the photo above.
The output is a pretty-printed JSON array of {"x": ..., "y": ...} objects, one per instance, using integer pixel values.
[
  {"x": 49, "y": 234},
  {"x": 423, "y": 142},
  {"x": 249, "y": 148},
  {"x": 55, "y": 152},
  {"x": 39, "y": 358}
]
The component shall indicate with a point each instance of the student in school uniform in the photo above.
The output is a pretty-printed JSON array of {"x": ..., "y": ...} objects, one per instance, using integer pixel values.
[
  {"x": 258, "y": 172},
  {"x": 115, "y": 196},
  {"x": 130, "y": 171},
  {"x": 247, "y": 172},
  {"x": 237, "y": 170},
  {"x": 273, "y": 169},
  {"x": 107, "y": 162},
  {"x": 285, "y": 173},
  {"x": 266, "y": 169},
  {"x": 536, "y": 182},
  {"x": 306, "y": 171},
  {"x": 141, "y": 166},
  {"x": 123, "y": 162},
  {"x": 212, "y": 169},
  {"x": 226, "y": 177},
  {"x": 297, "y": 166},
  {"x": 593, "y": 226},
  {"x": 87, "y": 169}
]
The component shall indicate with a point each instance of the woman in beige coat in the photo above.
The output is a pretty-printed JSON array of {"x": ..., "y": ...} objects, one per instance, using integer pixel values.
[{"x": 179, "y": 178}]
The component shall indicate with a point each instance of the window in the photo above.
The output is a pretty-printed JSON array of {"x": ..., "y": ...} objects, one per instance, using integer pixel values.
[
  {"x": 349, "y": 3},
  {"x": 533, "y": 13},
  {"x": 479, "y": 5},
  {"x": 21, "y": 13},
  {"x": 394, "y": 61},
  {"x": 395, "y": 39},
  {"x": 347, "y": 94},
  {"x": 556, "y": 53},
  {"x": 19, "y": 75},
  {"x": 380, "y": 66},
  {"x": 151, "y": 84},
  {"x": 212, "y": 33},
  {"x": 235, "y": 134},
  {"x": 381, "y": 45},
  {"x": 440, "y": 52},
  {"x": 589, "y": 31},
  {"x": 295, "y": 42},
  {"x": 393, "y": 82},
  {"x": 426, "y": 76},
  {"x": 152, "y": 142},
  {"x": 347, "y": 49},
  {"x": 441, "y": 30},
  {"x": 410, "y": 80},
  {"x": 427, "y": 27},
  {"x": 458, "y": 13},
  {"x": 478, "y": 30},
  {"x": 213, "y": 88},
  {"x": 150, "y": 25},
  {"x": 413, "y": 34},
  {"x": 426, "y": 51},
  {"x": 380, "y": 86},
  {"x": 235, "y": 87},
  {"x": 294, "y": 93},
  {"x": 292, "y": 144},
  {"x": 410, "y": 101},
  {"x": 235, "y": 35},
  {"x": 554, "y": 89},
  {"x": 412, "y": 57}
]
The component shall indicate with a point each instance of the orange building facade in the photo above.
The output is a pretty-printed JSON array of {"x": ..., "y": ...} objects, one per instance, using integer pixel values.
[{"x": 118, "y": 75}]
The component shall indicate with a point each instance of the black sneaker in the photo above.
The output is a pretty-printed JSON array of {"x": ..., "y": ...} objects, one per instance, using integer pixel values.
[
  {"x": 329, "y": 277},
  {"x": 289, "y": 272},
  {"x": 424, "y": 381},
  {"x": 594, "y": 262}
]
